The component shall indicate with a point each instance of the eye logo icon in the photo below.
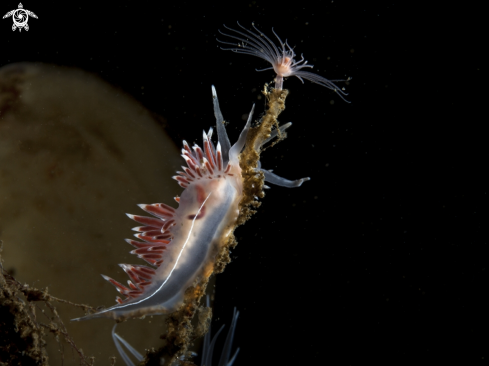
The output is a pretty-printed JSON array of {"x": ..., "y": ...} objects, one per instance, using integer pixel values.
[{"x": 20, "y": 17}]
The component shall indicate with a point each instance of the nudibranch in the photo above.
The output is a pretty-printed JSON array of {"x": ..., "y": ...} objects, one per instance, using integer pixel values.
[
  {"x": 181, "y": 245},
  {"x": 281, "y": 58}
]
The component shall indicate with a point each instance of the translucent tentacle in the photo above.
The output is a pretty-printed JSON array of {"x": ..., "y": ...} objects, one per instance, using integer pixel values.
[
  {"x": 238, "y": 146},
  {"x": 226, "y": 351},
  {"x": 323, "y": 82},
  {"x": 221, "y": 130},
  {"x": 267, "y": 68},
  {"x": 118, "y": 340},
  {"x": 208, "y": 348},
  {"x": 275, "y": 133},
  {"x": 279, "y": 181}
]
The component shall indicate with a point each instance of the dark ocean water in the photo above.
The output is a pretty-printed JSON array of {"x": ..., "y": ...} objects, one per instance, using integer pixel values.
[{"x": 379, "y": 258}]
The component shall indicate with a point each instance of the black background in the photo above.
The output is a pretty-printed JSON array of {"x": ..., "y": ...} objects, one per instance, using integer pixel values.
[{"x": 380, "y": 258}]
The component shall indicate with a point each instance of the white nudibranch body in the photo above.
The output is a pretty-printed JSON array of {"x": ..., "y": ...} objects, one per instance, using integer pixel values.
[
  {"x": 281, "y": 58},
  {"x": 181, "y": 245}
]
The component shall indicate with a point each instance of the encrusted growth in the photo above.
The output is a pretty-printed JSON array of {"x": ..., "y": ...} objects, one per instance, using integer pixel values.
[
  {"x": 249, "y": 158},
  {"x": 22, "y": 333}
]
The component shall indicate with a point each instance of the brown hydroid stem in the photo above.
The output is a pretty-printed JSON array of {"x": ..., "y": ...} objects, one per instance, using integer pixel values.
[{"x": 253, "y": 181}]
